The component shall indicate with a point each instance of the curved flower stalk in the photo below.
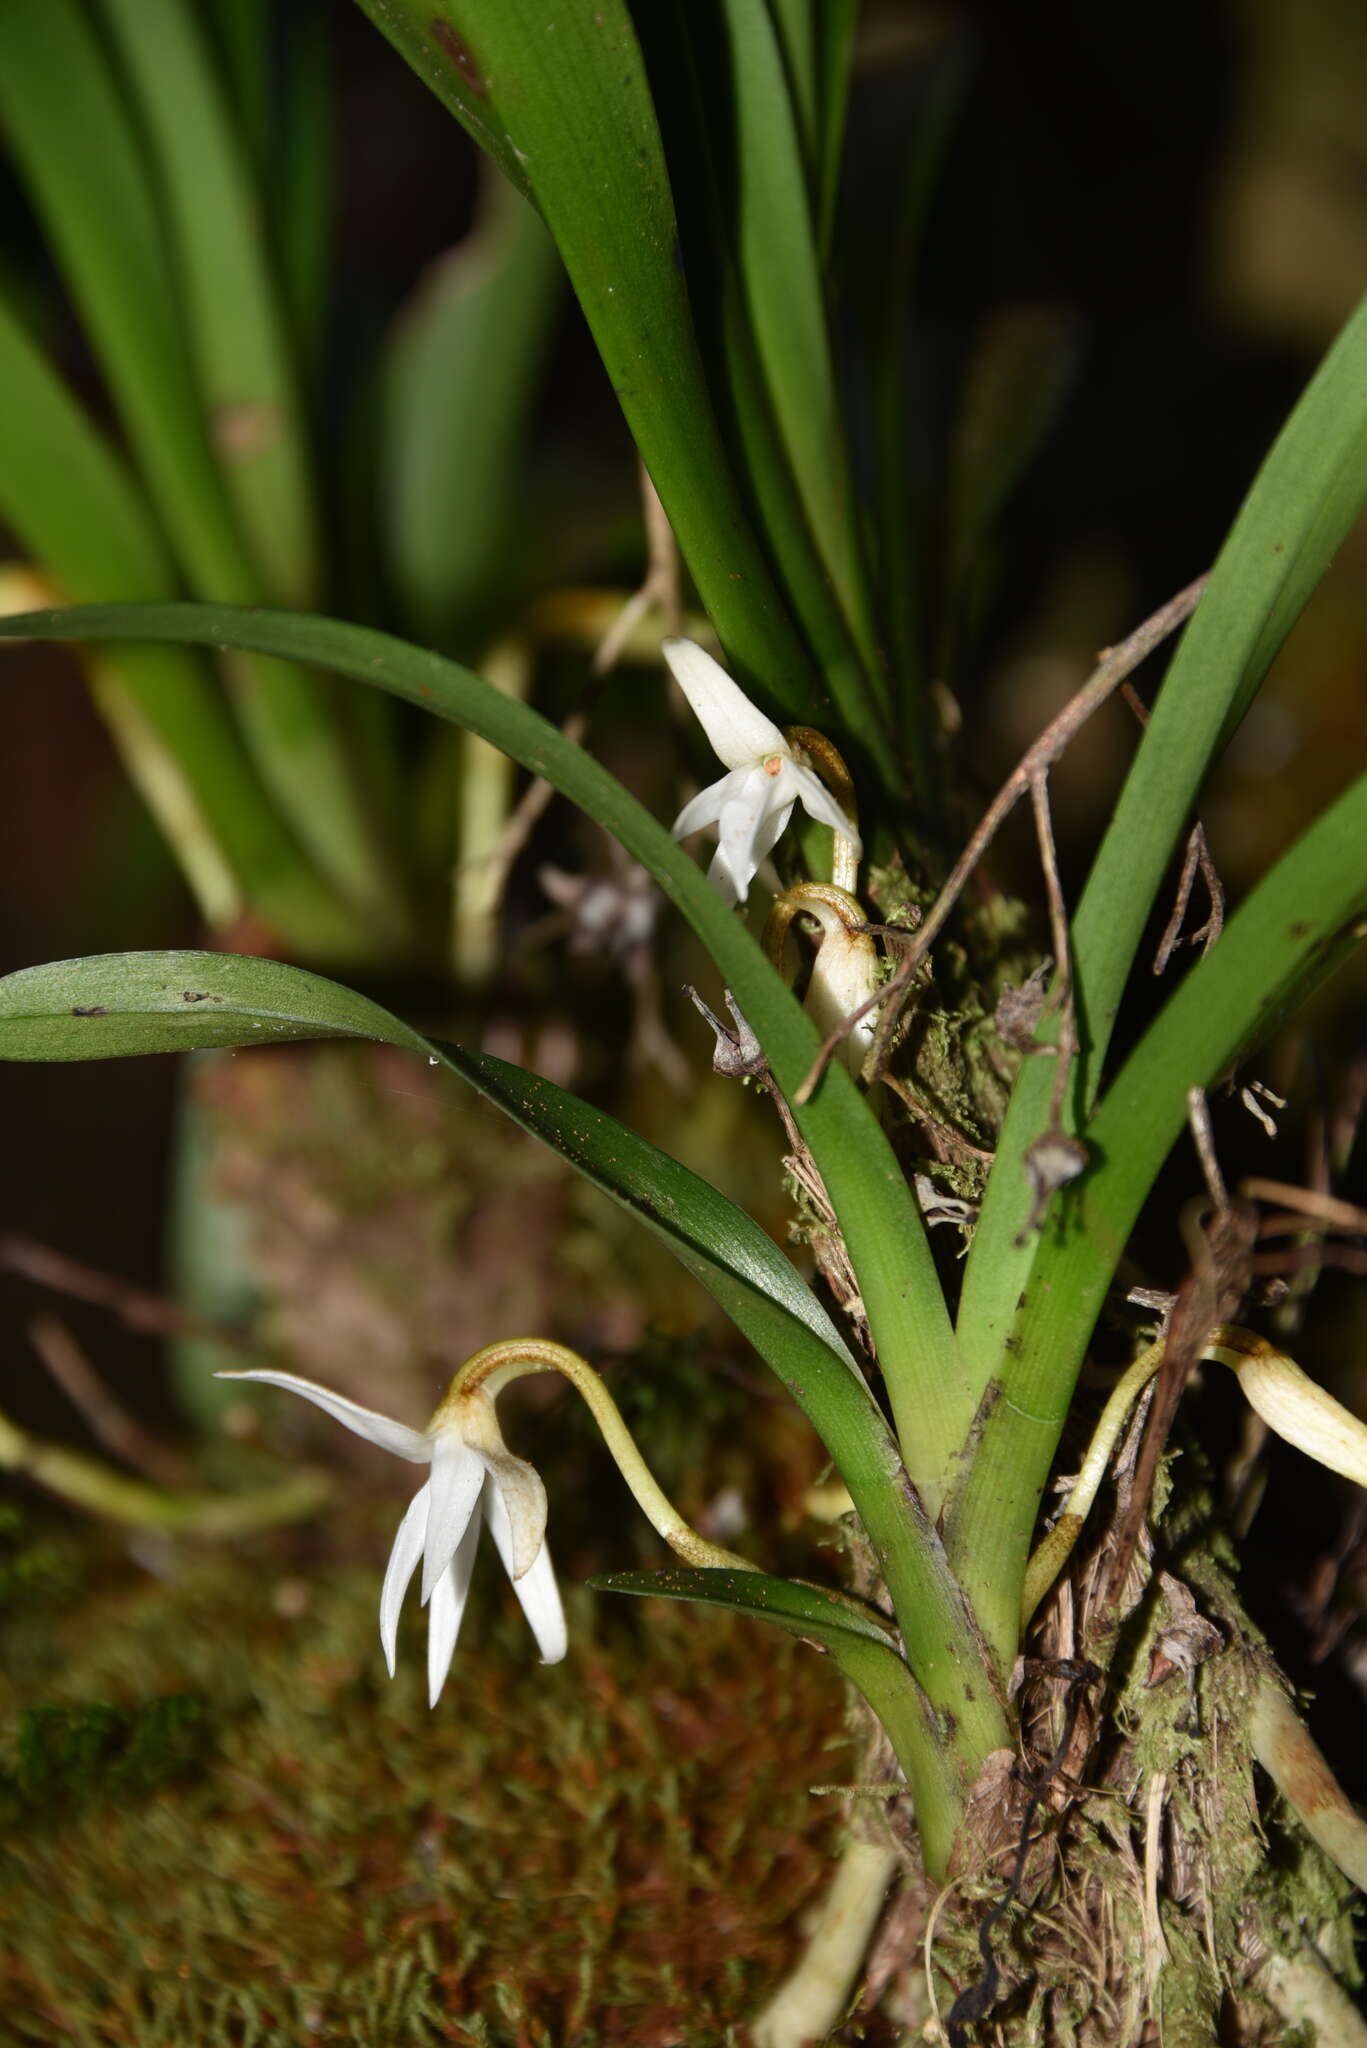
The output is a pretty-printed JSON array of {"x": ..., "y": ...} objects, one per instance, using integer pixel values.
[
  {"x": 474, "y": 1477},
  {"x": 486, "y": 1373},
  {"x": 1292, "y": 1405},
  {"x": 769, "y": 773}
]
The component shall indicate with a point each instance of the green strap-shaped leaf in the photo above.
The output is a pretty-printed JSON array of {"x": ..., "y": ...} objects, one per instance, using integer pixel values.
[
  {"x": 1297, "y": 925},
  {"x": 803, "y": 1610},
  {"x": 459, "y": 375},
  {"x": 683, "y": 53},
  {"x": 878, "y": 1215},
  {"x": 233, "y": 317},
  {"x": 834, "y": 22},
  {"x": 865, "y": 1653},
  {"x": 115, "y": 1005},
  {"x": 781, "y": 274},
  {"x": 304, "y": 178},
  {"x": 82, "y": 158},
  {"x": 241, "y": 34},
  {"x": 795, "y": 27},
  {"x": 719, "y": 1243},
  {"x": 79, "y": 155},
  {"x": 69, "y": 500},
  {"x": 558, "y": 96},
  {"x": 1302, "y": 503}
]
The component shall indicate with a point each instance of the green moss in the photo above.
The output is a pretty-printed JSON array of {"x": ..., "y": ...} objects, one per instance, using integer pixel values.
[
  {"x": 67, "y": 1754},
  {"x": 30, "y": 1567},
  {"x": 273, "y": 1843}
]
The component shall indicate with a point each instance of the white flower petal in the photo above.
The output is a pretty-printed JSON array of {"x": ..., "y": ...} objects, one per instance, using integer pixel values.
[
  {"x": 540, "y": 1597},
  {"x": 457, "y": 1477},
  {"x": 749, "y": 828},
  {"x": 706, "y": 807},
  {"x": 739, "y": 733},
  {"x": 817, "y": 801},
  {"x": 518, "y": 1488},
  {"x": 535, "y": 1588},
  {"x": 769, "y": 831},
  {"x": 403, "y": 1562},
  {"x": 719, "y": 875},
  {"x": 447, "y": 1610},
  {"x": 397, "y": 1437}
]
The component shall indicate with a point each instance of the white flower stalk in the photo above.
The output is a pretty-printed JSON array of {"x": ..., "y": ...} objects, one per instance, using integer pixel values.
[
  {"x": 752, "y": 803},
  {"x": 474, "y": 1478}
]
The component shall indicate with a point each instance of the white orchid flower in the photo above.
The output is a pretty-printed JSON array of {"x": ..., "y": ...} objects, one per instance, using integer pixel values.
[
  {"x": 474, "y": 1476},
  {"x": 752, "y": 804}
]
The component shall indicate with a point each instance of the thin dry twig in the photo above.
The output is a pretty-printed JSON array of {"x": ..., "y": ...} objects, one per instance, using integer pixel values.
[
  {"x": 1325, "y": 1209},
  {"x": 660, "y": 587},
  {"x": 1115, "y": 665},
  {"x": 109, "y": 1421},
  {"x": 1215, "y": 1284},
  {"x": 1197, "y": 855},
  {"x": 1198, "y": 1117},
  {"x": 1066, "y": 1047},
  {"x": 151, "y": 1315},
  {"x": 738, "y": 1055}
]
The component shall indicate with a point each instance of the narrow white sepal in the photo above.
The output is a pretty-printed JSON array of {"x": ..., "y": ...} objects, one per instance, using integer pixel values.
[
  {"x": 740, "y": 829},
  {"x": 536, "y": 1588},
  {"x": 818, "y": 803},
  {"x": 707, "y": 806},
  {"x": 1297, "y": 1408},
  {"x": 447, "y": 1610},
  {"x": 737, "y": 731},
  {"x": 457, "y": 1478},
  {"x": 397, "y": 1437},
  {"x": 403, "y": 1562}
]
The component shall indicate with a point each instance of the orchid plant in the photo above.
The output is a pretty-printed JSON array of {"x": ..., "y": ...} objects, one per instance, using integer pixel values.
[{"x": 942, "y": 1391}]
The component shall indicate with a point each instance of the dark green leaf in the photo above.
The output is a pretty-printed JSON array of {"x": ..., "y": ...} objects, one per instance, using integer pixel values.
[
  {"x": 80, "y": 152},
  {"x": 232, "y": 311},
  {"x": 460, "y": 375},
  {"x": 781, "y": 275},
  {"x": 70, "y": 502},
  {"x": 558, "y": 96},
  {"x": 110, "y": 1006},
  {"x": 821, "y": 1617}
]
